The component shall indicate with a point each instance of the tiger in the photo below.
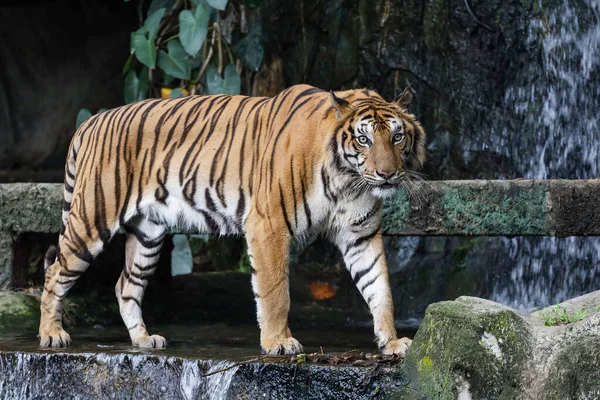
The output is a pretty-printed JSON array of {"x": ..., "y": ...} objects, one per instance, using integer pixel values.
[{"x": 274, "y": 169}]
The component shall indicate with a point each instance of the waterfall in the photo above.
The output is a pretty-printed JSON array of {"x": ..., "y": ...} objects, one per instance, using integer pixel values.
[
  {"x": 558, "y": 109},
  {"x": 212, "y": 385}
]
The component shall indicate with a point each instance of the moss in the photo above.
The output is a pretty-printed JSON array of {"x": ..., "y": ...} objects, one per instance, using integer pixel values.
[
  {"x": 575, "y": 372},
  {"x": 448, "y": 346},
  {"x": 18, "y": 312},
  {"x": 396, "y": 211},
  {"x": 498, "y": 211}
]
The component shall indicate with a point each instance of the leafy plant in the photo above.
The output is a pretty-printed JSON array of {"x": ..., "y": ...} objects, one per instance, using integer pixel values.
[
  {"x": 186, "y": 47},
  {"x": 245, "y": 265},
  {"x": 559, "y": 315},
  {"x": 84, "y": 114}
]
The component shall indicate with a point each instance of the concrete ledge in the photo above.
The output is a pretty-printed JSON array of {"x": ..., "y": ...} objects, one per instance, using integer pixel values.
[
  {"x": 152, "y": 376},
  {"x": 483, "y": 208},
  {"x": 497, "y": 208}
]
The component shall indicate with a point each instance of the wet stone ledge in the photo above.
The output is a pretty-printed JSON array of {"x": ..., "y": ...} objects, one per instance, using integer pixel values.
[{"x": 149, "y": 375}]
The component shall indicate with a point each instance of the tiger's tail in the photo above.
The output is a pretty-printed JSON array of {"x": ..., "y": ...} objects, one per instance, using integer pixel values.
[{"x": 69, "y": 183}]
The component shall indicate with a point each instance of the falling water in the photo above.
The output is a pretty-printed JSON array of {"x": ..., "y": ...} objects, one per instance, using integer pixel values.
[
  {"x": 212, "y": 385},
  {"x": 557, "y": 106}
]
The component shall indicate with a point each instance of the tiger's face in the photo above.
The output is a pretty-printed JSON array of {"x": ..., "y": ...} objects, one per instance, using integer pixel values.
[{"x": 382, "y": 142}]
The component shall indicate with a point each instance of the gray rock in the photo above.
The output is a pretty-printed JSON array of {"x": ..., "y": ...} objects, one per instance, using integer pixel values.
[{"x": 474, "y": 349}]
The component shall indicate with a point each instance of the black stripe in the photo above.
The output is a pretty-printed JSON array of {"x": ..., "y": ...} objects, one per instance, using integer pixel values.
[
  {"x": 171, "y": 131},
  {"x": 361, "y": 240},
  {"x": 294, "y": 191},
  {"x": 64, "y": 271},
  {"x": 304, "y": 200},
  {"x": 140, "y": 133},
  {"x": 373, "y": 211},
  {"x": 213, "y": 226},
  {"x": 141, "y": 176},
  {"x": 241, "y": 207},
  {"x": 100, "y": 214},
  {"x": 215, "y": 117},
  {"x": 146, "y": 268},
  {"x": 358, "y": 276},
  {"x": 141, "y": 237},
  {"x": 132, "y": 281},
  {"x": 210, "y": 204},
  {"x": 366, "y": 285},
  {"x": 137, "y": 324},
  {"x": 153, "y": 254},
  {"x": 283, "y": 210},
  {"x": 157, "y": 131}
]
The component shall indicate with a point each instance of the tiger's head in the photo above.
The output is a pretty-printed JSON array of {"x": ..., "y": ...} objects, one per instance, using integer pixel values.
[{"x": 381, "y": 142}]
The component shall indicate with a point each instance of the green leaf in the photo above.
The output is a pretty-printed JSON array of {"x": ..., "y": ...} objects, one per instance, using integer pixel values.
[
  {"x": 145, "y": 49},
  {"x": 196, "y": 62},
  {"x": 176, "y": 93},
  {"x": 174, "y": 62},
  {"x": 136, "y": 87},
  {"x": 128, "y": 63},
  {"x": 214, "y": 83},
  {"x": 132, "y": 87},
  {"x": 193, "y": 29},
  {"x": 155, "y": 5},
  {"x": 218, "y": 4},
  {"x": 100, "y": 111},
  {"x": 143, "y": 85},
  {"x": 152, "y": 22},
  {"x": 197, "y": 2},
  {"x": 233, "y": 83},
  {"x": 167, "y": 79},
  {"x": 250, "y": 50},
  {"x": 82, "y": 116}
]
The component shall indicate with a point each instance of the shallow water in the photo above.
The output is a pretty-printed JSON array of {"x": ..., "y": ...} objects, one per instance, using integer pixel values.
[{"x": 216, "y": 341}]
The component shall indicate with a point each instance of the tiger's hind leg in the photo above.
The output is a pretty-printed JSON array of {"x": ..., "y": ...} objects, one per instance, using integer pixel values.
[
  {"x": 143, "y": 245},
  {"x": 77, "y": 251}
]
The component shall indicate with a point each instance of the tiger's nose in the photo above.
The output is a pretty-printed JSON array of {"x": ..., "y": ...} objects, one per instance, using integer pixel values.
[{"x": 386, "y": 174}]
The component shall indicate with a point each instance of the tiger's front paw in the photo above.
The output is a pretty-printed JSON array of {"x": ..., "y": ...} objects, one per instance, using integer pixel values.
[
  {"x": 396, "y": 346},
  {"x": 55, "y": 337},
  {"x": 149, "y": 342},
  {"x": 282, "y": 346}
]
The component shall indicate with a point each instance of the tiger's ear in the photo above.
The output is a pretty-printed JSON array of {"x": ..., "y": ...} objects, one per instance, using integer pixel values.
[
  {"x": 405, "y": 98},
  {"x": 341, "y": 106}
]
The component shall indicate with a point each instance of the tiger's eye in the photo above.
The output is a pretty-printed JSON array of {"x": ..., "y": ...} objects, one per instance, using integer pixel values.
[
  {"x": 362, "y": 140},
  {"x": 398, "y": 138}
]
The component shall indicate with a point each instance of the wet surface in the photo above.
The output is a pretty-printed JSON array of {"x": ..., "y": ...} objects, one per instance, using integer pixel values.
[
  {"x": 212, "y": 361},
  {"x": 209, "y": 341}
]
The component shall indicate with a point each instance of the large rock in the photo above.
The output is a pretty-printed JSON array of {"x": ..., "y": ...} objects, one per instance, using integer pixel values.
[{"x": 477, "y": 349}]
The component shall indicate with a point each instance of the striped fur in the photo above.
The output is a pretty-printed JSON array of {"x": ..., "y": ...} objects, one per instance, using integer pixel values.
[{"x": 274, "y": 169}]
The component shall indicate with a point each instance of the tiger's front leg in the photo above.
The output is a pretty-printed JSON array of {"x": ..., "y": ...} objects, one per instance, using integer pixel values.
[
  {"x": 364, "y": 256},
  {"x": 268, "y": 250}
]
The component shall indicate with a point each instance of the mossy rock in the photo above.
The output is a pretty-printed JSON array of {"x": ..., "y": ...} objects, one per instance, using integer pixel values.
[
  {"x": 470, "y": 346},
  {"x": 18, "y": 312}
]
